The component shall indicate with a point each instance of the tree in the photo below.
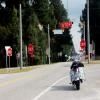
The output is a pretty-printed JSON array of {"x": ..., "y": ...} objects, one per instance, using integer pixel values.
[
  {"x": 32, "y": 33},
  {"x": 34, "y": 13},
  {"x": 94, "y": 18},
  {"x": 59, "y": 10},
  {"x": 42, "y": 10}
]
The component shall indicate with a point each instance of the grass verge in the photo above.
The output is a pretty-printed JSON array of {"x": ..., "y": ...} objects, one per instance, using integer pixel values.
[{"x": 14, "y": 70}]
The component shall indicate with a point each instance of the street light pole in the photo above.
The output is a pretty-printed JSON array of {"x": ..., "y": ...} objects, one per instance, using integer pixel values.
[
  {"x": 49, "y": 43},
  {"x": 88, "y": 32},
  {"x": 84, "y": 29},
  {"x": 67, "y": 6},
  {"x": 49, "y": 37},
  {"x": 20, "y": 30}
]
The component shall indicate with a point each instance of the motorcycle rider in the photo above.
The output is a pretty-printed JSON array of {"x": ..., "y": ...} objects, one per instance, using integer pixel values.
[{"x": 77, "y": 70}]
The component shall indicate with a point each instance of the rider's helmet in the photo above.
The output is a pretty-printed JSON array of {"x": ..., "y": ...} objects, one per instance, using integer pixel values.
[
  {"x": 77, "y": 59},
  {"x": 78, "y": 62}
]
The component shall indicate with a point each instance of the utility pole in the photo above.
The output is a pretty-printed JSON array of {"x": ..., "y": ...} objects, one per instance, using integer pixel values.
[
  {"x": 84, "y": 51},
  {"x": 20, "y": 30},
  {"x": 49, "y": 37},
  {"x": 84, "y": 29},
  {"x": 88, "y": 32},
  {"x": 67, "y": 6},
  {"x": 49, "y": 43}
]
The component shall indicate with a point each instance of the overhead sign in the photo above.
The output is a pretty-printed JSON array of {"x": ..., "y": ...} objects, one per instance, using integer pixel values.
[
  {"x": 67, "y": 25},
  {"x": 58, "y": 31}
]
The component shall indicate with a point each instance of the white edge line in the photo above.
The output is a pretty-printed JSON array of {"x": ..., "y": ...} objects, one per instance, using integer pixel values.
[{"x": 47, "y": 89}]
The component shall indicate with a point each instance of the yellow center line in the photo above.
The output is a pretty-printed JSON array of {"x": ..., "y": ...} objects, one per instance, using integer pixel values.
[{"x": 3, "y": 84}]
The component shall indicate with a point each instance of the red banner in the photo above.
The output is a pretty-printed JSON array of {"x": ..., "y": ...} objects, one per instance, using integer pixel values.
[{"x": 66, "y": 25}]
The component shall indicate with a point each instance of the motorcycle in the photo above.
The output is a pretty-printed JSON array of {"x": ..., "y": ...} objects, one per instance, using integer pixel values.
[{"x": 77, "y": 74}]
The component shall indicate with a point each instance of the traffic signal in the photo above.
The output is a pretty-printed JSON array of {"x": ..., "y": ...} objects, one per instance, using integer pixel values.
[{"x": 66, "y": 25}]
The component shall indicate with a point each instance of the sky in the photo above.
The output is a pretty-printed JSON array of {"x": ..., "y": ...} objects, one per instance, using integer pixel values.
[{"x": 75, "y": 8}]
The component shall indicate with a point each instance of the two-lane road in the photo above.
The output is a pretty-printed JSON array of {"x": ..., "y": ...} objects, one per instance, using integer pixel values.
[{"x": 50, "y": 82}]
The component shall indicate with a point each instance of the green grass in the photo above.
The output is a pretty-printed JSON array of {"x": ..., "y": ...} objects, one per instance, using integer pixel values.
[{"x": 15, "y": 70}]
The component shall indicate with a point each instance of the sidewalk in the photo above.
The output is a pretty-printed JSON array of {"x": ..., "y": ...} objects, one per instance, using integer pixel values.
[
  {"x": 92, "y": 62},
  {"x": 95, "y": 61}
]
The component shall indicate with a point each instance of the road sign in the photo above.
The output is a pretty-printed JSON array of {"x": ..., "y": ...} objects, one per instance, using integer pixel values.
[
  {"x": 18, "y": 55},
  {"x": 82, "y": 44},
  {"x": 58, "y": 31},
  {"x": 9, "y": 52},
  {"x": 30, "y": 49}
]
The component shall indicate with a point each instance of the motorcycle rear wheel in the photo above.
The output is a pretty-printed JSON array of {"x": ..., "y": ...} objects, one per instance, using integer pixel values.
[{"x": 77, "y": 83}]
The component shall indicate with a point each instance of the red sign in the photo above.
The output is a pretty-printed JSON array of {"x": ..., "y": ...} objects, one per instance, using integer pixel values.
[
  {"x": 30, "y": 49},
  {"x": 9, "y": 52},
  {"x": 82, "y": 44},
  {"x": 65, "y": 25}
]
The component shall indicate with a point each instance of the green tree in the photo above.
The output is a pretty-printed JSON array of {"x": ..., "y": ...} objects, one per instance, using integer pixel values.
[
  {"x": 32, "y": 33},
  {"x": 59, "y": 10},
  {"x": 42, "y": 10},
  {"x": 94, "y": 19},
  {"x": 34, "y": 12},
  {"x": 13, "y": 29}
]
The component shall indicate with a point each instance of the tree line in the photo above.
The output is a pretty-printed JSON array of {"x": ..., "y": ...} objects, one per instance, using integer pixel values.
[
  {"x": 94, "y": 19},
  {"x": 36, "y": 15}
]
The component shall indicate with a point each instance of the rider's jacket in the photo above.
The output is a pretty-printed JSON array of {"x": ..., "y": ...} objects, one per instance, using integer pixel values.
[{"x": 77, "y": 71}]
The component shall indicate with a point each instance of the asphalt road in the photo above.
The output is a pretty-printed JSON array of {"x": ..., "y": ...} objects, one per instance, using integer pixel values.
[{"x": 50, "y": 82}]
